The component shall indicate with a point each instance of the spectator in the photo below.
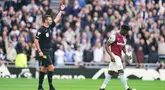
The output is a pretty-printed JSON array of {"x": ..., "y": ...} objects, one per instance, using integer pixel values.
[
  {"x": 144, "y": 46},
  {"x": 162, "y": 9},
  {"x": 163, "y": 31},
  {"x": 161, "y": 44},
  {"x": 83, "y": 45},
  {"x": 2, "y": 55},
  {"x": 89, "y": 33},
  {"x": 11, "y": 11},
  {"x": 97, "y": 38},
  {"x": 19, "y": 46},
  {"x": 95, "y": 17},
  {"x": 14, "y": 41},
  {"x": 64, "y": 43},
  {"x": 69, "y": 54},
  {"x": 8, "y": 4},
  {"x": 47, "y": 9},
  {"x": 10, "y": 51},
  {"x": 140, "y": 57},
  {"x": 6, "y": 19},
  {"x": 98, "y": 53},
  {"x": 136, "y": 45},
  {"x": 83, "y": 36},
  {"x": 88, "y": 21},
  {"x": 60, "y": 56},
  {"x": 153, "y": 27},
  {"x": 78, "y": 56},
  {"x": 32, "y": 6},
  {"x": 76, "y": 8},
  {"x": 2, "y": 2},
  {"x": 130, "y": 38},
  {"x": 88, "y": 54},
  {"x": 153, "y": 56},
  {"x": 130, "y": 52},
  {"x": 14, "y": 32},
  {"x": 82, "y": 3},
  {"x": 73, "y": 43},
  {"x": 78, "y": 28},
  {"x": 69, "y": 34},
  {"x": 38, "y": 20},
  {"x": 21, "y": 60},
  {"x": 56, "y": 43}
]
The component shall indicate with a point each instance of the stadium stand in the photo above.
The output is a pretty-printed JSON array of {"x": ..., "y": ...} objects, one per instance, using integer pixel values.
[{"x": 86, "y": 24}]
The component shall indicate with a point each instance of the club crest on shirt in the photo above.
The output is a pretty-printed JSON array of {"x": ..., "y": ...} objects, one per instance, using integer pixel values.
[{"x": 47, "y": 34}]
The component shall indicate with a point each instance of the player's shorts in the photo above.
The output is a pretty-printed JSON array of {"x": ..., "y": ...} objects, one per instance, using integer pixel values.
[
  {"x": 46, "y": 60},
  {"x": 117, "y": 65}
]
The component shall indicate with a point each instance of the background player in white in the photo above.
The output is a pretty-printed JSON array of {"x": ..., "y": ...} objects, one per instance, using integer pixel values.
[{"x": 114, "y": 46}]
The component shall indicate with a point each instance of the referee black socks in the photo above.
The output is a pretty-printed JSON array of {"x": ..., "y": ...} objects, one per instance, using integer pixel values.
[
  {"x": 41, "y": 79},
  {"x": 50, "y": 74}
]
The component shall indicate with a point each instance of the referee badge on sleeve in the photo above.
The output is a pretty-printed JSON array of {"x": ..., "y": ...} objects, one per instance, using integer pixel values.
[{"x": 38, "y": 33}]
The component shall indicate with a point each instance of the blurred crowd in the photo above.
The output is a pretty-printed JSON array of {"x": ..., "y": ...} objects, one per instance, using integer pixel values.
[{"x": 85, "y": 26}]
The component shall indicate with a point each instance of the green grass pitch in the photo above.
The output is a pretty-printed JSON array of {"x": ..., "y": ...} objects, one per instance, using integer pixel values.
[{"x": 88, "y": 84}]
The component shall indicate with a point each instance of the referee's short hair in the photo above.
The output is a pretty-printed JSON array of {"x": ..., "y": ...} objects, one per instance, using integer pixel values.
[{"x": 45, "y": 17}]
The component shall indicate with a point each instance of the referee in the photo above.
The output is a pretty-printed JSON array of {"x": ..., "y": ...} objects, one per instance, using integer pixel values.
[{"x": 43, "y": 44}]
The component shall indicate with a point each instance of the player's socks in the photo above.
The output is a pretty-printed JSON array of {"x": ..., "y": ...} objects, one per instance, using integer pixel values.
[
  {"x": 102, "y": 89},
  {"x": 129, "y": 89},
  {"x": 123, "y": 80},
  {"x": 50, "y": 74},
  {"x": 107, "y": 79},
  {"x": 41, "y": 79}
]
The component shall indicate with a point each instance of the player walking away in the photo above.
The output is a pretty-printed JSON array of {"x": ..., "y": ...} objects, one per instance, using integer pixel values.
[
  {"x": 117, "y": 45},
  {"x": 43, "y": 44}
]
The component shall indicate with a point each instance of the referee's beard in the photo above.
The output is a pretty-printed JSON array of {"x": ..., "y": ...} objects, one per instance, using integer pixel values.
[{"x": 49, "y": 23}]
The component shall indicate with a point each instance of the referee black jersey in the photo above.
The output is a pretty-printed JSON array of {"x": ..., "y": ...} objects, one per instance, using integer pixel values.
[{"x": 44, "y": 35}]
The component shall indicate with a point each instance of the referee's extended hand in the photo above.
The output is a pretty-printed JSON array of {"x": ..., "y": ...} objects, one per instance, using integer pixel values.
[
  {"x": 62, "y": 7},
  {"x": 41, "y": 54}
]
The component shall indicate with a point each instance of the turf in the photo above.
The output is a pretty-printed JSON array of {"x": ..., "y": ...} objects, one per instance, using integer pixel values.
[{"x": 88, "y": 84}]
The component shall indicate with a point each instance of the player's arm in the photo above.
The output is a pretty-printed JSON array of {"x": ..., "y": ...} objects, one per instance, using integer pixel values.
[
  {"x": 126, "y": 53},
  {"x": 58, "y": 17},
  {"x": 36, "y": 41},
  {"x": 108, "y": 43}
]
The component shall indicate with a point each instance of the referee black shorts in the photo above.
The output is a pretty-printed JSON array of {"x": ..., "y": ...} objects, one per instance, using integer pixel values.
[{"x": 46, "y": 60}]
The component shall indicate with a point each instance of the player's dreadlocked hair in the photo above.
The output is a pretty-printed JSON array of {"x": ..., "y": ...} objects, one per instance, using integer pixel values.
[{"x": 126, "y": 27}]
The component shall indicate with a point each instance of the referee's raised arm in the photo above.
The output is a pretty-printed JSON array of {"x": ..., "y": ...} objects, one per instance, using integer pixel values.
[{"x": 58, "y": 17}]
